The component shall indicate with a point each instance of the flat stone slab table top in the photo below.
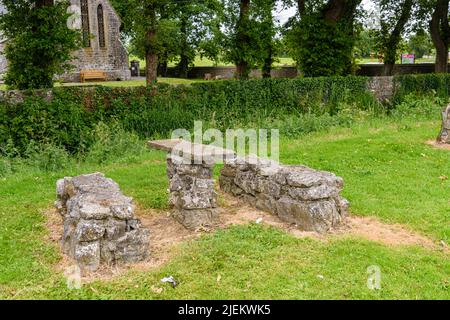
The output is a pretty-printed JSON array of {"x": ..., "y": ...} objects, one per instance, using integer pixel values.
[{"x": 192, "y": 150}]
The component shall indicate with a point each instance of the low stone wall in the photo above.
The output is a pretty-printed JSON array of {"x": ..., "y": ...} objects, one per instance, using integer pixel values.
[
  {"x": 375, "y": 70},
  {"x": 229, "y": 72},
  {"x": 368, "y": 70},
  {"x": 192, "y": 194},
  {"x": 296, "y": 194},
  {"x": 99, "y": 223}
]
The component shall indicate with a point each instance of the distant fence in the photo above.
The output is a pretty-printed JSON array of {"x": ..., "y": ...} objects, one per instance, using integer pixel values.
[{"x": 368, "y": 70}]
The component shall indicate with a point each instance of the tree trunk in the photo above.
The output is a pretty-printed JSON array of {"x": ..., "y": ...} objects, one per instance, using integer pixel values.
[
  {"x": 301, "y": 7},
  {"x": 394, "y": 38},
  {"x": 335, "y": 10},
  {"x": 183, "y": 65},
  {"x": 151, "y": 59},
  {"x": 440, "y": 34},
  {"x": 388, "y": 67},
  {"x": 242, "y": 66},
  {"x": 242, "y": 70},
  {"x": 267, "y": 68},
  {"x": 444, "y": 135},
  {"x": 151, "y": 54},
  {"x": 44, "y": 3}
]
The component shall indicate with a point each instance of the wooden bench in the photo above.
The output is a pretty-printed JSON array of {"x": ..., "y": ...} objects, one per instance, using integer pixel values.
[{"x": 92, "y": 75}]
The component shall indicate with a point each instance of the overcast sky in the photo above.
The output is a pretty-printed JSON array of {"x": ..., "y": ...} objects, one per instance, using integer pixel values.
[{"x": 284, "y": 15}]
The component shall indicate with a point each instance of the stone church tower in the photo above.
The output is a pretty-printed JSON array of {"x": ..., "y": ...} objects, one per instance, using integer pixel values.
[{"x": 102, "y": 48}]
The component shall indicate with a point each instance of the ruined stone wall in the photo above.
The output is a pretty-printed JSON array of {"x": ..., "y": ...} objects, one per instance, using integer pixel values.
[
  {"x": 99, "y": 223},
  {"x": 305, "y": 197}
]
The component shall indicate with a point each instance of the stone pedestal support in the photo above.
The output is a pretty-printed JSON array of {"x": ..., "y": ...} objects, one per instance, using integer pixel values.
[{"x": 192, "y": 193}]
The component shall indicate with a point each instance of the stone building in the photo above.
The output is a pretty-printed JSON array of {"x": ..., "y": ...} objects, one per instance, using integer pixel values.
[{"x": 102, "y": 48}]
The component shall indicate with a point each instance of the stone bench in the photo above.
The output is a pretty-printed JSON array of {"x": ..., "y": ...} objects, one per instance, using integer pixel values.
[{"x": 296, "y": 194}]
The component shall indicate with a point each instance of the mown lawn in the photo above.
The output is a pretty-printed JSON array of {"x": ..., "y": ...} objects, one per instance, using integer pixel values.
[
  {"x": 128, "y": 83},
  {"x": 389, "y": 173}
]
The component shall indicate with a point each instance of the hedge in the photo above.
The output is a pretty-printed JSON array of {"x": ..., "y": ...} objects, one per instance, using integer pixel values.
[{"x": 68, "y": 119}]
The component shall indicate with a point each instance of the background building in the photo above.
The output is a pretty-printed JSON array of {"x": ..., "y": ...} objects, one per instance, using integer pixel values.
[{"x": 102, "y": 48}]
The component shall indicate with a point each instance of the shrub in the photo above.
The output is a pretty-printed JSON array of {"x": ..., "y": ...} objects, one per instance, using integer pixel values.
[
  {"x": 5, "y": 167},
  {"x": 113, "y": 143},
  {"x": 427, "y": 107},
  {"x": 421, "y": 84},
  {"x": 46, "y": 157},
  {"x": 76, "y": 119}
]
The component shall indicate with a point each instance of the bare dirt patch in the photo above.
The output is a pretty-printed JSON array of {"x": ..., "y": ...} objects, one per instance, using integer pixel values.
[
  {"x": 436, "y": 145},
  {"x": 167, "y": 234},
  {"x": 388, "y": 234},
  {"x": 363, "y": 227}
]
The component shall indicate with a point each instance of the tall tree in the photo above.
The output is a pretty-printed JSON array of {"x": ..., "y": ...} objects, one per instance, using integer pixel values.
[
  {"x": 323, "y": 36},
  {"x": 249, "y": 34},
  {"x": 394, "y": 18},
  {"x": 163, "y": 30},
  {"x": 39, "y": 42},
  {"x": 197, "y": 22},
  {"x": 146, "y": 24},
  {"x": 440, "y": 34},
  {"x": 420, "y": 43},
  {"x": 268, "y": 30}
]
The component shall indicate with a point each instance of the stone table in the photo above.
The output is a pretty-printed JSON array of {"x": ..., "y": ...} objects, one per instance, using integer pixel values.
[{"x": 191, "y": 186}]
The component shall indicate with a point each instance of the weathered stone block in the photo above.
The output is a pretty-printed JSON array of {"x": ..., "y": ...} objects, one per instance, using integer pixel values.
[
  {"x": 323, "y": 191},
  {"x": 88, "y": 255},
  {"x": 191, "y": 192},
  {"x": 99, "y": 223},
  {"x": 195, "y": 219}
]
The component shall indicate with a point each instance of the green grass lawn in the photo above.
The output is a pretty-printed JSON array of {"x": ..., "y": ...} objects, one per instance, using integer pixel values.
[
  {"x": 205, "y": 62},
  {"x": 128, "y": 83},
  {"x": 389, "y": 173}
]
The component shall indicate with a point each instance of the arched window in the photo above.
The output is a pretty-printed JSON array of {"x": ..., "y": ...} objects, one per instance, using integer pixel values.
[
  {"x": 101, "y": 27},
  {"x": 85, "y": 23}
]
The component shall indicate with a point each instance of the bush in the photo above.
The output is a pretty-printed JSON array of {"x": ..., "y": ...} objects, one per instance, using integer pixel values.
[
  {"x": 113, "y": 143},
  {"x": 427, "y": 107},
  {"x": 422, "y": 84},
  {"x": 5, "y": 167},
  {"x": 46, "y": 157},
  {"x": 77, "y": 120}
]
